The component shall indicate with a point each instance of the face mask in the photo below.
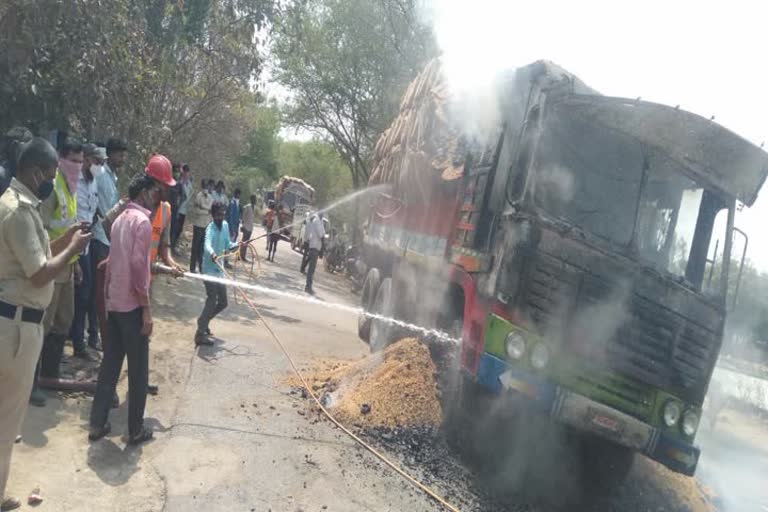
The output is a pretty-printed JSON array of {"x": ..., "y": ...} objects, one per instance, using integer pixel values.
[
  {"x": 71, "y": 172},
  {"x": 96, "y": 170},
  {"x": 44, "y": 189}
]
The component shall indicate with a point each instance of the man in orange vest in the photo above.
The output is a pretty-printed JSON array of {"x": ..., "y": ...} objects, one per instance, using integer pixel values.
[
  {"x": 161, "y": 170},
  {"x": 158, "y": 168}
]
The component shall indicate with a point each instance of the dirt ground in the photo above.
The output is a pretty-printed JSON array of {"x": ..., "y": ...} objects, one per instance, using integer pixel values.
[{"x": 231, "y": 435}]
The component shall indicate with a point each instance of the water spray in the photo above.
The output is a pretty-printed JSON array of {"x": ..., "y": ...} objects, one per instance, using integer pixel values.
[
  {"x": 430, "y": 333},
  {"x": 328, "y": 208}
]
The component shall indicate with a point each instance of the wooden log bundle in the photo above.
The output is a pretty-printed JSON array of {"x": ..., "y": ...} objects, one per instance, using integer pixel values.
[{"x": 421, "y": 147}]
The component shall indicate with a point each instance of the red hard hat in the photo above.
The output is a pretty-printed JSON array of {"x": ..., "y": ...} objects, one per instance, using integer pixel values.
[{"x": 159, "y": 167}]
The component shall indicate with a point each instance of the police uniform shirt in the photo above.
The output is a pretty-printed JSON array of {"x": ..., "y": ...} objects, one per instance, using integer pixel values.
[{"x": 24, "y": 248}]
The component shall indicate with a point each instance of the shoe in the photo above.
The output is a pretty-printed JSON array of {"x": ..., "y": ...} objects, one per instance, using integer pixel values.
[
  {"x": 202, "y": 339},
  {"x": 10, "y": 504},
  {"x": 153, "y": 389},
  {"x": 94, "y": 342},
  {"x": 145, "y": 435},
  {"x": 309, "y": 291},
  {"x": 37, "y": 398},
  {"x": 208, "y": 332},
  {"x": 85, "y": 356},
  {"x": 97, "y": 433}
]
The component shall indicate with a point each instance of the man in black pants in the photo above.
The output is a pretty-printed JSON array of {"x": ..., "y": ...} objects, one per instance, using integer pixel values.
[
  {"x": 217, "y": 242},
  {"x": 315, "y": 234},
  {"x": 129, "y": 315}
]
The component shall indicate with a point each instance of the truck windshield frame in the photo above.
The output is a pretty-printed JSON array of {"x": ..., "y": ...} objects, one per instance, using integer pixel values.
[{"x": 629, "y": 197}]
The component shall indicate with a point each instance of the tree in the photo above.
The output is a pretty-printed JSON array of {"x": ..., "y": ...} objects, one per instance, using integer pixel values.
[
  {"x": 168, "y": 76},
  {"x": 346, "y": 64},
  {"x": 256, "y": 167},
  {"x": 318, "y": 163}
]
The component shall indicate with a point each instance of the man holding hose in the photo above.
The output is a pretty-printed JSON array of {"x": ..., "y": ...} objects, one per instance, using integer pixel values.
[{"x": 217, "y": 242}]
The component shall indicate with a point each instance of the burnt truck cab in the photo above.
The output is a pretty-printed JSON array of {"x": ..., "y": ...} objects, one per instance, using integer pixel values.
[{"x": 598, "y": 236}]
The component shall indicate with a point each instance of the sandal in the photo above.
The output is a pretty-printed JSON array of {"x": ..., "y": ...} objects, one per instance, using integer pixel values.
[
  {"x": 97, "y": 433},
  {"x": 10, "y": 504},
  {"x": 143, "y": 436}
]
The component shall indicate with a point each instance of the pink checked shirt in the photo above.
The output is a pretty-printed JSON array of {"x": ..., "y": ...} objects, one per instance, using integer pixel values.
[{"x": 128, "y": 268}]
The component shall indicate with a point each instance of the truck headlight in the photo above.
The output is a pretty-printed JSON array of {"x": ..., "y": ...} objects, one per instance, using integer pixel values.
[
  {"x": 671, "y": 413},
  {"x": 540, "y": 356},
  {"x": 514, "y": 344},
  {"x": 690, "y": 423}
]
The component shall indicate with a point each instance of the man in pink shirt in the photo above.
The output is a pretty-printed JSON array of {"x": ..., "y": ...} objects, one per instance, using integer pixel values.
[{"x": 129, "y": 317}]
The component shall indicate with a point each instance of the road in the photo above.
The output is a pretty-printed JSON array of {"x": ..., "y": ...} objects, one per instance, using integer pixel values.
[{"x": 231, "y": 436}]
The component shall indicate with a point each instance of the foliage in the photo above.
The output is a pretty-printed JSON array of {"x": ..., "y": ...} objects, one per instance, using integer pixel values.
[
  {"x": 346, "y": 64},
  {"x": 256, "y": 168},
  {"x": 317, "y": 163},
  {"x": 168, "y": 76}
]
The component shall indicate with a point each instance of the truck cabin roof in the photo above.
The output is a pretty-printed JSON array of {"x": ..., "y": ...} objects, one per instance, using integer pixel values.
[{"x": 709, "y": 152}]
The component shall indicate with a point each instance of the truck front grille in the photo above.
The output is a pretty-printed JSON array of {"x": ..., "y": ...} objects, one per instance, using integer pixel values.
[{"x": 649, "y": 342}]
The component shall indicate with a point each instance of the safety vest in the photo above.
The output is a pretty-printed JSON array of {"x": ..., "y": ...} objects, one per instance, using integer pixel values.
[
  {"x": 159, "y": 221},
  {"x": 65, "y": 215}
]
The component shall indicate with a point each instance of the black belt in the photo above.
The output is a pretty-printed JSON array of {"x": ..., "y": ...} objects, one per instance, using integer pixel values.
[{"x": 33, "y": 316}]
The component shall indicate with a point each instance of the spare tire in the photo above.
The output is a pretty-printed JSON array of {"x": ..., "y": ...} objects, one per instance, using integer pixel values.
[{"x": 368, "y": 295}]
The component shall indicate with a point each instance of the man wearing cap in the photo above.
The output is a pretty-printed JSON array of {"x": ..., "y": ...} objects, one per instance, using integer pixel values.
[
  {"x": 161, "y": 170},
  {"x": 87, "y": 206},
  {"x": 59, "y": 213},
  {"x": 29, "y": 263}
]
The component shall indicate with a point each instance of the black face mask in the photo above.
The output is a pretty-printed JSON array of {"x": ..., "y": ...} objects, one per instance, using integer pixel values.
[{"x": 44, "y": 190}]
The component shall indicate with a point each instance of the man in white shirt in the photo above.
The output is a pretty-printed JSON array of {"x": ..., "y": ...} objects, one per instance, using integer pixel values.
[
  {"x": 315, "y": 236},
  {"x": 87, "y": 205}
]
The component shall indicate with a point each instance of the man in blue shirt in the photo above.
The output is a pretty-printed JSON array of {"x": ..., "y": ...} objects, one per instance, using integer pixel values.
[
  {"x": 217, "y": 242},
  {"x": 106, "y": 189}
]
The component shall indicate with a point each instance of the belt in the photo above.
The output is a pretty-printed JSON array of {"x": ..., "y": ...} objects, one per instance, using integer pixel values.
[{"x": 33, "y": 316}]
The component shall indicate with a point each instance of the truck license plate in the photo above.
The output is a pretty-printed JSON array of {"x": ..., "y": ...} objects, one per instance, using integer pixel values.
[{"x": 606, "y": 422}]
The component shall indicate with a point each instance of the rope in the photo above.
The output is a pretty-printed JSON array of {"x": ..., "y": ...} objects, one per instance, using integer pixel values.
[{"x": 325, "y": 411}]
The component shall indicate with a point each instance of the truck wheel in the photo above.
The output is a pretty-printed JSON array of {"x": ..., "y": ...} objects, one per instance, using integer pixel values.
[
  {"x": 465, "y": 408},
  {"x": 383, "y": 332},
  {"x": 370, "y": 288}
]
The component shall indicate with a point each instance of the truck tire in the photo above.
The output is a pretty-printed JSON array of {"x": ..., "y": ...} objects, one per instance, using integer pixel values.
[
  {"x": 382, "y": 333},
  {"x": 466, "y": 409},
  {"x": 368, "y": 295}
]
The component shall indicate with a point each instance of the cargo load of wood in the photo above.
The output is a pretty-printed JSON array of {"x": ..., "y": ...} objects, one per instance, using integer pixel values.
[
  {"x": 286, "y": 181},
  {"x": 421, "y": 147}
]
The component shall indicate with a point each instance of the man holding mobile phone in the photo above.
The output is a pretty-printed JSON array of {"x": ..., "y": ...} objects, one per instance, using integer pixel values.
[{"x": 87, "y": 209}]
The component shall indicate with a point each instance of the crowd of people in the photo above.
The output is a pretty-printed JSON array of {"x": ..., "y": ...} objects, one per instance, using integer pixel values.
[{"x": 76, "y": 263}]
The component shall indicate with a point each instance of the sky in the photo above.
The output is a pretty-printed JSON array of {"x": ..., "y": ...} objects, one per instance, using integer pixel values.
[{"x": 707, "y": 57}]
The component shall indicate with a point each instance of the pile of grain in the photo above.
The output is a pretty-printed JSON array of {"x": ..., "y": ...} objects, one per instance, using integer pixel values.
[{"x": 396, "y": 387}]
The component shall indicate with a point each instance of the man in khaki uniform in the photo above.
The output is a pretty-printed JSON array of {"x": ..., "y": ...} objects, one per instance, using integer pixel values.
[{"x": 28, "y": 265}]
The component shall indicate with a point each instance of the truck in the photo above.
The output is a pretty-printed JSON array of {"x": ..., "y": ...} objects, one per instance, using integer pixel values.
[
  {"x": 577, "y": 246},
  {"x": 289, "y": 195}
]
